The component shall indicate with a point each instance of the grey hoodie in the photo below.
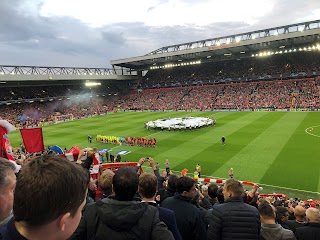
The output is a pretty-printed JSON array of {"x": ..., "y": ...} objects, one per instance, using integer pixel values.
[{"x": 275, "y": 232}]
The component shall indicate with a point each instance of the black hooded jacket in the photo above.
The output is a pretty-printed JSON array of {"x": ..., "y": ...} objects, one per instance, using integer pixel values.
[{"x": 113, "y": 219}]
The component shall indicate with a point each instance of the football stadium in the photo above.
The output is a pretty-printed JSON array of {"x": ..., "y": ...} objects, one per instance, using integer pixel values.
[{"x": 259, "y": 91}]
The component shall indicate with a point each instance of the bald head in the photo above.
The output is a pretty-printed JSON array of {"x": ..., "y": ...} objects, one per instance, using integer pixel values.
[
  {"x": 313, "y": 215},
  {"x": 299, "y": 212}
]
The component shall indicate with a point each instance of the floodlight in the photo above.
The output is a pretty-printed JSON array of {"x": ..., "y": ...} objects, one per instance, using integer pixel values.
[{"x": 91, "y": 84}]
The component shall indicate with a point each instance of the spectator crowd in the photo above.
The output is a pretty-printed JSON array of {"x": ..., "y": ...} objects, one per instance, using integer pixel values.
[{"x": 54, "y": 198}]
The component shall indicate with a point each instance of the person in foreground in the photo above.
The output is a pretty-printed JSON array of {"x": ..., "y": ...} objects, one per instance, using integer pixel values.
[
  {"x": 48, "y": 199},
  {"x": 311, "y": 230},
  {"x": 120, "y": 217},
  {"x": 270, "y": 230},
  {"x": 147, "y": 189},
  {"x": 7, "y": 186},
  {"x": 233, "y": 219},
  {"x": 189, "y": 219}
]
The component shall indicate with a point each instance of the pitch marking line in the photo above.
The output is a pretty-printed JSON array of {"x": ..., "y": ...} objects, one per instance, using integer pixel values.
[{"x": 310, "y": 129}]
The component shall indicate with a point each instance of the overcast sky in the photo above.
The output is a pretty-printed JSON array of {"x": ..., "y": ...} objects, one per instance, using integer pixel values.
[{"x": 90, "y": 33}]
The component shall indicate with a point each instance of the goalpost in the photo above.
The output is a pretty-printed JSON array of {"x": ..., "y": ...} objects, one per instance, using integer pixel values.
[{"x": 63, "y": 118}]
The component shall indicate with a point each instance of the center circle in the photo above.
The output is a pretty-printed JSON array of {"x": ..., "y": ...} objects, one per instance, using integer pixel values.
[{"x": 180, "y": 123}]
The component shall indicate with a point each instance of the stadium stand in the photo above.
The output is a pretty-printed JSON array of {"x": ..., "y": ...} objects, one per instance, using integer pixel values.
[{"x": 282, "y": 82}]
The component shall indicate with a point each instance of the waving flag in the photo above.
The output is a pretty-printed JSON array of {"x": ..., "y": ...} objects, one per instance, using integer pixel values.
[{"x": 32, "y": 139}]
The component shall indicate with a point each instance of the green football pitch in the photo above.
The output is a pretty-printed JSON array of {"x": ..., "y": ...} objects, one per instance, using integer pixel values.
[{"x": 278, "y": 150}]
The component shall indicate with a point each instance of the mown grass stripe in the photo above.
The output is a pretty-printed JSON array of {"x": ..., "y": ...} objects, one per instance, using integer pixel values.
[
  {"x": 253, "y": 161},
  {"x": 295, "y": 166}
]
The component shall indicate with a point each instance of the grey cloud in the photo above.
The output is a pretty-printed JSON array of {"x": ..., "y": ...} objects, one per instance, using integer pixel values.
[
  {"x": 17, "y": 25},
  {"x": 113, "y": 38},
  {"x": 61, "y": 41}
]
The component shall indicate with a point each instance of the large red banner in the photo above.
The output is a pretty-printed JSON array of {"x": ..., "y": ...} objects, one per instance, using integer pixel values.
[{"x": 32, "y": 139}]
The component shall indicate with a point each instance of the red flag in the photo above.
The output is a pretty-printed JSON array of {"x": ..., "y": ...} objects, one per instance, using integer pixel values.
[{"x": 32, "y": 139}]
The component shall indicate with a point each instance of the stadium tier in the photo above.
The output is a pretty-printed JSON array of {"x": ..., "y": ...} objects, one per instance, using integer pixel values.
[{"x": 247, "y": 111}]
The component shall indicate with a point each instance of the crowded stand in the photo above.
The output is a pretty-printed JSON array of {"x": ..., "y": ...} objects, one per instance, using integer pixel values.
[
  {"x": 123, "y": 200},
  {"x": 142, "y": 200},
  {"x": 281, "y": 66},
  {"x": 280, "y": 82},
  {"x": 271, "y": 95}
]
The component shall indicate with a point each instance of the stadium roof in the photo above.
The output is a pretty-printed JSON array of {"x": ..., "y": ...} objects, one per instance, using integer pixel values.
[{"x": 261, "y": 42}]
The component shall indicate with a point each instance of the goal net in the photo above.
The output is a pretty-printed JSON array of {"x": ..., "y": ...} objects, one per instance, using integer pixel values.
[{"x": 63, "y": 118}]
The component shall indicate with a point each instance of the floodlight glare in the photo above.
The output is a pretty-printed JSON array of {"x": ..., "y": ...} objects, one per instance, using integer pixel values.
[{"x": 91, "y": 84}]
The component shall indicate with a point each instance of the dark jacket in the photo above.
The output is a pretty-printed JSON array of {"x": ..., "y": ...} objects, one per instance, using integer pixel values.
[
  {"x": 293, "y": 225},
  {"x": 118, "y": 220},
  {"x": 311, "y": 231},
  {"x": 234, "y": 219},
  {"x": 275, "y": 232},
  {"x": 189, "y": 219},
  {"x": 165, "y": 193},
  {"x": 168, "y": 217},
  {"x": 9, "y": 232}
]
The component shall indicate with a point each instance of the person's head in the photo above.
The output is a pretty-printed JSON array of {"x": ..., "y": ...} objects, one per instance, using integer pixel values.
[
  {"x": 148, "y": 184},
  {"x": 313, "y": 215},
  {"x": 125, "y": 184},
  {"x": 282, "y": 214},
  {"x": 232, "y": 188},
  {"x": 186, "y": 187},
  {"x": 267, "y": 212},
  {"x": 172, "y": 183},
  {"x": 220, "y": 196},
  {"x": 50, "y": 191},
  {"x": 204, "y": 189},
  {"x": 105, "y": 182},
  {"x": 212, "y": 190},
  {"x": 299, "y": 212},
  {"x": 7, "y": 186}
]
